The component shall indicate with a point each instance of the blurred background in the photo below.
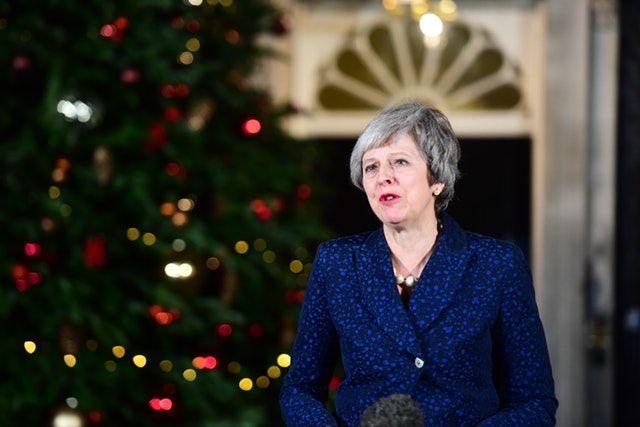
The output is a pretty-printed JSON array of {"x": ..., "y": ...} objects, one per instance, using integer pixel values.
[{"x": 168, "y": 168}]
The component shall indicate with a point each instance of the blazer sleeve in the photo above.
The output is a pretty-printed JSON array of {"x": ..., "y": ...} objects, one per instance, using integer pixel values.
[
  {"x": 522, "y": 370},
  {"x": 314, "y": 356}
]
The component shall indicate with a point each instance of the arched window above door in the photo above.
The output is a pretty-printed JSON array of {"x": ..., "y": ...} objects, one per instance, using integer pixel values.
[
  {"x": 345, "y": 63},
  {"x": 390, "y": 60}
]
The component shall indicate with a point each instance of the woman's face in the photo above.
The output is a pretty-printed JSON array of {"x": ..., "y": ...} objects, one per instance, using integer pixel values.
[{"x": 395, "y": 182}]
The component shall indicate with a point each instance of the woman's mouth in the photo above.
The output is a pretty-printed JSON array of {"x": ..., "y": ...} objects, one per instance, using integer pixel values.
[{"x": 388, "y": 197}]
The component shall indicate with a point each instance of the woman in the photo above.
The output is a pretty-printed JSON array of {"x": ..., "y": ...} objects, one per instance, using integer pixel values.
[{"x": 419, "y": 306}]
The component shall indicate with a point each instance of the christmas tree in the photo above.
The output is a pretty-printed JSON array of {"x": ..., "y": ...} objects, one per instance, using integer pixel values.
[{"x": 158, "y": 225}]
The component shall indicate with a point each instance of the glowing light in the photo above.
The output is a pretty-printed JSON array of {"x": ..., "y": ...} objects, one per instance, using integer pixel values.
[
  {"x": 260, "y": 245},
  {"x": 263, "y": 381},
  {"x": 67, "y": 418},
  {"x": 108, "y": 30},
  {"x": 65, "y": 210},
  {"x": 283, "y": 360},
  {"x": 195, "y": 2},
  {"x": 193, "y": 26},
  {"x": 130, "y": 75},
  {"x": 34, "y": 278},
  {"x": 448, "y": 7},
  {"x": 295, "y": 266},
  {"x": 77, "y": 110},
  {"x": 148, "y": 239},
  {"x": 173, "y": 169},
  {"x": 304, "y": 192},
  {"x": 213, "y": 263},
  {"x": 133, "y": 233},
  {"x": 139, "y": 360},
  {"x": 95, "y": 417},
  {"x": 58, "y": 175},
  {"x": 19, "y": 271},
  {"x": 274, "y": 372},
  {"x": 334, "y": 383},
  {"x": 110, "y": 366},
  {"x": 161, "y": 404},
  {"x": 224, "y": 330},
  {"x": 19, "y": 62},
  {"x": 166, "y": 365},
  {"x": 47, "y": 224},
  {"x": 163, "y": 318},
  {"x": 71, "y": 402},
  {"x": 269, "y": 257},
  {"x": 118, "y": 351},
  {"x": 245, "y": 384},
  {"x": 241, "y": 247},
  {"x": 179, "y": 219},
  {"x": 32, "y": 249},
  {"x": 251, "y": 126},
  {"x": 182, "y": 90},
  {"x": 210, "y": 362},
  {"x": 189, "y": 375},
  {"x": 185, "y": 58},
  {"x": 233, "y": 367},
  {"x": 54, "y": 192},
  {"x": 193, "y": 45},
  {"x": 232, "y": 36},
  {"x": 30, "y": 347},
  {"x": 261, "y": 209},
  {"x": 70, "y": 360},
  {"x": 182, "y": 270},
  {"x": 198, "y": 362},
  {"x": 179, "y": 245},
  {"x": 431, "y": 25},
  {"x": 168, "y": 91},
  {"x": 186, "y": 204},
  {"x": 167, "y": 209}
]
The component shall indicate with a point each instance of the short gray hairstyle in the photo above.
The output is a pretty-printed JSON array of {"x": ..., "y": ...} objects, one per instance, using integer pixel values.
[{"x": 434, "y": 138}]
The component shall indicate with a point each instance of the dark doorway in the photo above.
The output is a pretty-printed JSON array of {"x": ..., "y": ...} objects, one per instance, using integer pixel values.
[{"x": 492, "y": 196}]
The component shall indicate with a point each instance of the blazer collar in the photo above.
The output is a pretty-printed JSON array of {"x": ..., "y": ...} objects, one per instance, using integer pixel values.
[{"x": 436, "y": 288}]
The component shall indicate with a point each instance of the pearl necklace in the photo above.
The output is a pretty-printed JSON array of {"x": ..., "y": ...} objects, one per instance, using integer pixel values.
[
  {"x": 410, "y": 281},
  {"x": 402, "y": 281}
]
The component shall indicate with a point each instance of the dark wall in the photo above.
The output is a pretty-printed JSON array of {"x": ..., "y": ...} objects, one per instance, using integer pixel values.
[
  {"x": 627, "y": 330},
  {"x": 492, "y": 196}
]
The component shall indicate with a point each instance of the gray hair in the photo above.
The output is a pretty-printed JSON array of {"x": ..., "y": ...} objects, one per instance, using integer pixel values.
[{"x": 434, "y": 138}]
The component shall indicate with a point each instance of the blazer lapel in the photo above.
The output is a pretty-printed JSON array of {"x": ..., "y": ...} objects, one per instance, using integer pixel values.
[
  {"x": 379, "y": 293},
  {"x": 442, "y": 277}
]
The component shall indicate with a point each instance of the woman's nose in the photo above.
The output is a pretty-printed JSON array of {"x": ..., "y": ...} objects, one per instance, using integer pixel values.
[{"x": 386, "y": 173}]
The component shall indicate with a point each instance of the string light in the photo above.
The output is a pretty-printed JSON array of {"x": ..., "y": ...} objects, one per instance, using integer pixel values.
[
  {"x": 251, "y": 126},
  {"x": 76, "y": 110},
  {"x": 429, "y": 13}
]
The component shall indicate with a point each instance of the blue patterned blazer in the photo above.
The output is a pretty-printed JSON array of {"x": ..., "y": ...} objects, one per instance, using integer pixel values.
[{"x": 469, "y": 348}]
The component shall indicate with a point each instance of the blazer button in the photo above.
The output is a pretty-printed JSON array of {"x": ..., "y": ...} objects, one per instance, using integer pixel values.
[{"x": 419, "y": 363}]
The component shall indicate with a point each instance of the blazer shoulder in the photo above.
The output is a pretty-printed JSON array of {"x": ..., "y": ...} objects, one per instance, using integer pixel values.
[
  {"x": 350, "y": 242},
  {"x": 481, "y": 244}
]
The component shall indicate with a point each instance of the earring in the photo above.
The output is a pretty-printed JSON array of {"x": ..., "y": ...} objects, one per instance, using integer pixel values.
[{"x": 437, "y": 192}]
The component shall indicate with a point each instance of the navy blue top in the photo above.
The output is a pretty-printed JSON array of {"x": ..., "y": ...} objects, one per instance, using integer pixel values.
[{"x": 469, "y": 348}]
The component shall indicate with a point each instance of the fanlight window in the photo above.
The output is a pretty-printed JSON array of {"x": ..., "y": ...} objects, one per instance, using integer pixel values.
[{"x": 390, "y": 61}]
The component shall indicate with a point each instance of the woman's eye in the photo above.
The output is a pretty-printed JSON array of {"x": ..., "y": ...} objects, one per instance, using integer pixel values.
[
  {"x": 369, "y": 168},
  {"x": 400, "y": 162}
]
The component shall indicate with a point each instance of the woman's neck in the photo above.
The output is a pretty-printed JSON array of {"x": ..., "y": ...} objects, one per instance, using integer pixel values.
[{"x": 411, "y": 247}]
